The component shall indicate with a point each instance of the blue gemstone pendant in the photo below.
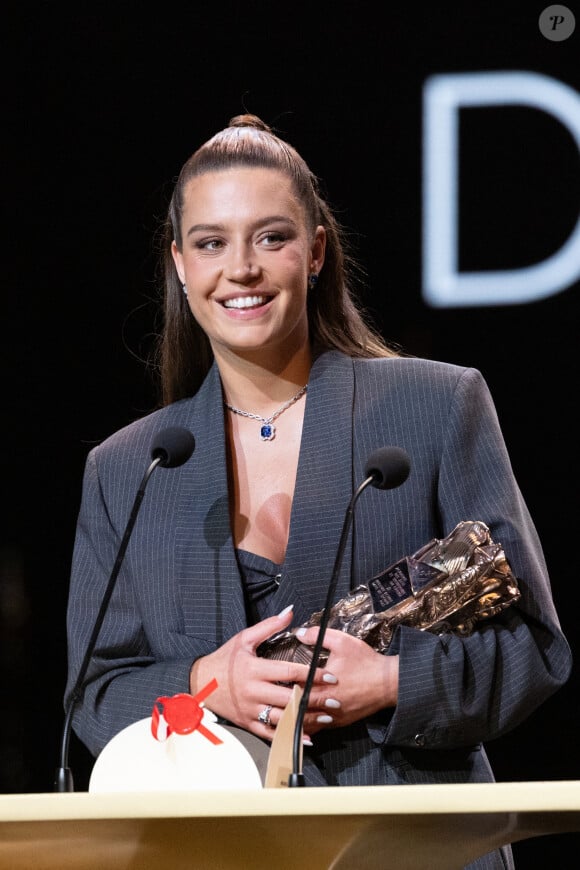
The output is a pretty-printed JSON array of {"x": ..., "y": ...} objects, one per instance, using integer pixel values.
[{"x": 267, "y": 432}]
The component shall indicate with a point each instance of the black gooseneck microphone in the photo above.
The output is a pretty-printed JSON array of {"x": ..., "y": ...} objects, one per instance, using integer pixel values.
[
  {"x": 386, "y": 468},
  {"x": 171, "y": 448}
]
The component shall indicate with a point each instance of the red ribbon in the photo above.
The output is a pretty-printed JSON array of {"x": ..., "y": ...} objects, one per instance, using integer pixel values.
[{"x": 182, "y": 714}]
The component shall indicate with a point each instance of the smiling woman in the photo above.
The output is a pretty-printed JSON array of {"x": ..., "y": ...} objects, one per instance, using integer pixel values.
[
  {"x": 265, "y": 217},
  {"x": 244, "y": 263},
  {"x": 266, "y": 358}
]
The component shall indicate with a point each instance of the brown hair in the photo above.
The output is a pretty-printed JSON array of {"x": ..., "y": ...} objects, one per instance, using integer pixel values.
[{"x": 184, "y": 354}]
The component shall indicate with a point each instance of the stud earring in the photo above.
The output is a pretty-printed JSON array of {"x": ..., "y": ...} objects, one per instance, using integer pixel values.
[
  {"x": 184, "y": 288},
  {"x": 312, "y": 280}
]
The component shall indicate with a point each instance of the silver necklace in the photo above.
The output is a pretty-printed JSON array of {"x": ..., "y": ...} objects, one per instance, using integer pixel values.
[{"x": 267, "y": 430}]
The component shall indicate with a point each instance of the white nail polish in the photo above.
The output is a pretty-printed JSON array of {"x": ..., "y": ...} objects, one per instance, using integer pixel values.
[
  {"x": 324, "y": 720},
  {"x": 300, "y": 632},
  {"x": 330, "y": 702},
  {"x": 330, "y": 678},
  {"x": 286, "y": 610},
  {"x": 307, "y": 741}
]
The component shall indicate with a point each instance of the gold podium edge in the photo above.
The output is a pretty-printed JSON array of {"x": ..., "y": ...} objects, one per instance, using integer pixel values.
[
  {"x": 414, "y": 827},
  {"x": 531, "y": 796}
]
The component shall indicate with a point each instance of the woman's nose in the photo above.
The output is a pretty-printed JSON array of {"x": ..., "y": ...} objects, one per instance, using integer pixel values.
[{"x": 242, "y": 265}]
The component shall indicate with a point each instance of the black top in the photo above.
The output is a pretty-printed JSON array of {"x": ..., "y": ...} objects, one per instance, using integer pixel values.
[{"x": 261, "y": 579}]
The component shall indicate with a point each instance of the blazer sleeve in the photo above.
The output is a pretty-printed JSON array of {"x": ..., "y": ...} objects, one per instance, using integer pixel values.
[
  {"x": 456, "y": 691},
  {"x": 124, "y": 677}
]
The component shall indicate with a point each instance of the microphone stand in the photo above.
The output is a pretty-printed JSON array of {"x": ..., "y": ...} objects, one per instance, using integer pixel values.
[
  {"x": 64, "y": 778},
  {"x": 296, "y": 778}
]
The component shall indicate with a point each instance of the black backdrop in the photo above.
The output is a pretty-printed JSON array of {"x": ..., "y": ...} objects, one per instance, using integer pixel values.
[{"x": 100, "y": 108}]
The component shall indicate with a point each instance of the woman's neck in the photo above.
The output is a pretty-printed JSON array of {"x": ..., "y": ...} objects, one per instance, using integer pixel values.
[{"x": 255, "y": 383}]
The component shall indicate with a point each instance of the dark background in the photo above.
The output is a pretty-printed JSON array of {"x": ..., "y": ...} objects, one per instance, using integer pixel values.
[{"x": 101, "y": 106}]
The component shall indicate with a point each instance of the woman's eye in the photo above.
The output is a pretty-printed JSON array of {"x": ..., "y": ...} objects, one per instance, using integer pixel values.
[
  {"x": 208, "y": 244},
  {"x": 273, "y": 238}
]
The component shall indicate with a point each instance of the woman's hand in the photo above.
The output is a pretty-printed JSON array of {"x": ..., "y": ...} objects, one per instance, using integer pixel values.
[
  {"x": 366, "y": 681},
  {"x": 248, "y": 684}
]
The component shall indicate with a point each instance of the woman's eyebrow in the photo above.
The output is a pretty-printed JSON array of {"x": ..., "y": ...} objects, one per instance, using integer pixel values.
[{"x": 275, "y": 218}]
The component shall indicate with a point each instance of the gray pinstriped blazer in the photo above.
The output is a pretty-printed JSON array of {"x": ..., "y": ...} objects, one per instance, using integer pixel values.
[{"x": 179, "y": 593}]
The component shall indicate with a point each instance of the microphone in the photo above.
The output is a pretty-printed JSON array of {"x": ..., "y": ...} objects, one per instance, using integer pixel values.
[
  {"x": 386, "y": 468},
  {"x": 171, "y": 447}
]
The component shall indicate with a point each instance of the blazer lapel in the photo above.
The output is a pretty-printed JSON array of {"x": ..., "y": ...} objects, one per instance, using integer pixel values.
[
  {"x": 206, "y": 566},
  {"x": 324, "y": 487},
  {"x": 209, "y": 578}
]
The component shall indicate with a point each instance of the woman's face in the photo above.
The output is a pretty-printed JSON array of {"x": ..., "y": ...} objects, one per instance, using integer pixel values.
[{"x": 245, "y": 261}]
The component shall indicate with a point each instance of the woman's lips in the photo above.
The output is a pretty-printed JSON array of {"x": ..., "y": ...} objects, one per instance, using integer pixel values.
[{"x": 241, "y": 303}]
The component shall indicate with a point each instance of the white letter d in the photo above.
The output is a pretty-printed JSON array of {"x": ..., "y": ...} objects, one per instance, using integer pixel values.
[{"x": 443, "y": 284}]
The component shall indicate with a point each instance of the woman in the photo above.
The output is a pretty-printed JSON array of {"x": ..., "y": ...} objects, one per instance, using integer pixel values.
[{"x": 266, "y": 359}]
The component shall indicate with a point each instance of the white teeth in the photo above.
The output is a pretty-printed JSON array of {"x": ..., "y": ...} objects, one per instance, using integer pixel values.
[{"x": 244, "y": 302}]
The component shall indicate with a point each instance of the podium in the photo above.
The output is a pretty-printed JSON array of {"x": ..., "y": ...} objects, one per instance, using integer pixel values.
[{"x": 414, "y": 827}]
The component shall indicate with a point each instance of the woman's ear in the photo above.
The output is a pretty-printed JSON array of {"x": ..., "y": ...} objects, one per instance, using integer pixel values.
[
  {"x": 317, "y": 250},
  {"x": 178, "y": 260}
]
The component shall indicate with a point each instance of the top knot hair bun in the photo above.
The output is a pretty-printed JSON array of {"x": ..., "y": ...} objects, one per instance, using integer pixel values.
[{"x": 249, "y": 121}]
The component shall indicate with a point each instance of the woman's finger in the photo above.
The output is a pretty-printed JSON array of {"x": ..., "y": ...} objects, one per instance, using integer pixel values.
[{"x": 261, "y": 631}]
